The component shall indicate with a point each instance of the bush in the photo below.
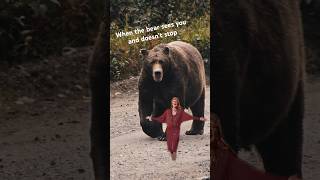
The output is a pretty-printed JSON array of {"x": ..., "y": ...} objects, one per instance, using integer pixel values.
[{"x": 143, "y": 13}]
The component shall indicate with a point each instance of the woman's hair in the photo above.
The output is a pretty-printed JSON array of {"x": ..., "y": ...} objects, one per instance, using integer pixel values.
[{"x": 177, "y": 99}]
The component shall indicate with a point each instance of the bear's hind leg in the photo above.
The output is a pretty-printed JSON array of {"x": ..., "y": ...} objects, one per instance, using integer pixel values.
[
  {"x": 282, "y": 151},
  {"x": 198, "y": 111}
]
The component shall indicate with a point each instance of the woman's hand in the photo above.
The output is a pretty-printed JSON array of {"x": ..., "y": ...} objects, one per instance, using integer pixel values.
[
  {"x": 203, "y": 119},
  {"x": 149, "y": 118}
]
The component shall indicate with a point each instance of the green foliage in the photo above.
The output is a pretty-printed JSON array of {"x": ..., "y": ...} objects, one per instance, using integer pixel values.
[
  {"x": 117, "y": 66},
  {"x": 148, "y": 13},
  {"x": 128, "y": 15},
  {"x": 35, "y": 28}
]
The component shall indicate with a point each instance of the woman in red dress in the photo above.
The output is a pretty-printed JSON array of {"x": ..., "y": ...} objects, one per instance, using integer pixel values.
[{"x": 174, "y": 117}]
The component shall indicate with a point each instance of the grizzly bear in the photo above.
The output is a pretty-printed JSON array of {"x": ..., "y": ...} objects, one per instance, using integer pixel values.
[
  {"x": 258, "y": 79},
  {"x": 171, "y": 70}
]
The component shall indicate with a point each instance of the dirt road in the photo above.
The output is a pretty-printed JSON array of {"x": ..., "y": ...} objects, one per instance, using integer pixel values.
[
  {"x": 45, "y": 140},
  {"x": 134, "y": 155},
  {"x": 48, "y": 139}
]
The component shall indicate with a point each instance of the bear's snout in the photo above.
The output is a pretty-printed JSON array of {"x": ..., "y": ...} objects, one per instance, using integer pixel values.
[{"x": 157, "y": 73}]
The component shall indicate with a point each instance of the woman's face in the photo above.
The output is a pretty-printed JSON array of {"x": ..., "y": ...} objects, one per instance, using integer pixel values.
[{"x": 174, "y": 103}]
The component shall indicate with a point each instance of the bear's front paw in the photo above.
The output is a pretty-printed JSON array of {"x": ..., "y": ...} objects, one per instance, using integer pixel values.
[
  {"x": 162, "y": 137},
  {"x": 194, "y": 132}
]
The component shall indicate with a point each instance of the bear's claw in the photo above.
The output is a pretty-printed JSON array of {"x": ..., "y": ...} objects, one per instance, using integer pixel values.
[{"x": 162, "y": 137}]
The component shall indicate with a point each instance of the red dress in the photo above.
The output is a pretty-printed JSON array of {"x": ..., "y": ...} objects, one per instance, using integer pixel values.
[
  {"x": 173, "y": 126},
  {"x": 225, "y": 165}
]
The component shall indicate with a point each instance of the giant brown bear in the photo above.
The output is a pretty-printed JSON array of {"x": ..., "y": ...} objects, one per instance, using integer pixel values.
[
  {"x": 171, "y": 70},
  {"x": 258, "y": 79}
]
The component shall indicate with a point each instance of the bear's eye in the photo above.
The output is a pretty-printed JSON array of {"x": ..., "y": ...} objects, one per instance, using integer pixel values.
[
  {"x": 152, "y": 62},
  {"x": 161, "y": 61}
]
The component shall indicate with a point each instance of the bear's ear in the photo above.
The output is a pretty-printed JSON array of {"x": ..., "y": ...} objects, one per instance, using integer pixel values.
[
  {"x": 144, "y": 52},
  {"x": 166, "y": 50}
]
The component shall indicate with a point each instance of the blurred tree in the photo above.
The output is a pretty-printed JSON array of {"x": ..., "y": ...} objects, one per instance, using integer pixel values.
[{"x": 34, "y": 28}]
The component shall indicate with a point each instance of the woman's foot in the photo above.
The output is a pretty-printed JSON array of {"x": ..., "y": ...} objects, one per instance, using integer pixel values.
[{"x": 173, "y": 156}]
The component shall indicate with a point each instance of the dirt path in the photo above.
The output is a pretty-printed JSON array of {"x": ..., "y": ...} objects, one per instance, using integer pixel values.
[
  {"x": 45, "y": 140},
  {"x": 48, "y": 139},
  {"x": 134, "y": 155}
]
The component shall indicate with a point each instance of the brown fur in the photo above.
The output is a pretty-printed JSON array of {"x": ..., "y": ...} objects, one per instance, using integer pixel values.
[{"x": 258, "y": 74}]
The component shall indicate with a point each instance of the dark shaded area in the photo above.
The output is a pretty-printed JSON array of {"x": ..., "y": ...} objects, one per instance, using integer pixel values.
[
  {"x": 31, "y": 30},
  {"x": 255, "y": 28},
  {"x": 311, "y": 19}
]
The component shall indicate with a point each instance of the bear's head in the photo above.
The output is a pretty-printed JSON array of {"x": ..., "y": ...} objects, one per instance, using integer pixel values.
[{"x": 157, "y": 61}]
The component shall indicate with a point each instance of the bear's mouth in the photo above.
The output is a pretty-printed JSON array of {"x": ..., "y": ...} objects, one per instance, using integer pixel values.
[
  {"x": 157, "y": 72},
  {"x": 157, "y": 75}
]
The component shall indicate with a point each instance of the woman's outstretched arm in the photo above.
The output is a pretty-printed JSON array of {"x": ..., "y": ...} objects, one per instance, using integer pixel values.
[
  {"x": 161, "y": 119},
  {"x": 186, "y": 117}
]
